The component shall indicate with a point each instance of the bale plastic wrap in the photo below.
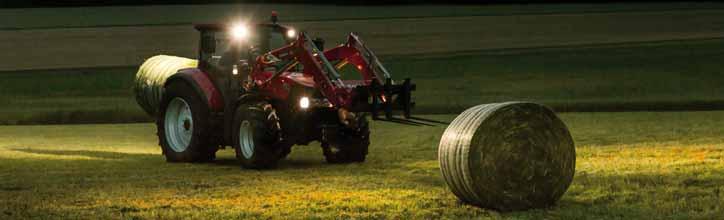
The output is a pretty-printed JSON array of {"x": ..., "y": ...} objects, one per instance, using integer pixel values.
[
  {"x": 507, "y": 156},
  {"x": 151, "y": 77}
]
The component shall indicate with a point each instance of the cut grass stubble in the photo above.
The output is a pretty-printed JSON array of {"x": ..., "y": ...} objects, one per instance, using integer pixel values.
[{"x": 630, "y": 165}]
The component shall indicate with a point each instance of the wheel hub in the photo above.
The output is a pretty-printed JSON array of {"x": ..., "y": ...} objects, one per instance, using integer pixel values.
[
  {"x": 178, "y": 124},
  {"x": 246, "y": 139},
  {"x": 187, "y": 124}
]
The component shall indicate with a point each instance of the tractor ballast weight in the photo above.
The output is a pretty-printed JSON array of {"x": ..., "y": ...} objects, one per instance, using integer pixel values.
[{"x": 264, "y": 89}]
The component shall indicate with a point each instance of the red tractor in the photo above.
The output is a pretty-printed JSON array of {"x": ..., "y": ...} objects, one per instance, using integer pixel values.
[{"x": 264, "y": 88}]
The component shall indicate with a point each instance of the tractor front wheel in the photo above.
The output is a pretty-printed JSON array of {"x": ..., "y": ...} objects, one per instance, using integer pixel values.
[
  {"x": 256, "y": 133},
  {"x": 182, "y": 126},
  {"x": 348, "y": 145}
]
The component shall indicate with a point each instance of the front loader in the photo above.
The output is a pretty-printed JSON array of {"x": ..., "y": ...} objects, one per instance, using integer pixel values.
[{"x": 265, "y": 88}]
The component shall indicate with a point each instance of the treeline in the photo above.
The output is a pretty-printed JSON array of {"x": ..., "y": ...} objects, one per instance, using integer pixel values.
[{"x": 77, "y": 3}]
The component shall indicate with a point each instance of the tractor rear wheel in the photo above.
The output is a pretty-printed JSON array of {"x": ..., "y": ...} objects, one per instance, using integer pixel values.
[
  {"x": 348, "y": 145},
  {"x": 182, "y": 125},
  {"x": 256, "y": 134}
]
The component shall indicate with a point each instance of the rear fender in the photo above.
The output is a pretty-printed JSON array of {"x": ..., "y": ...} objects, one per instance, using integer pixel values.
[{"x": 203, "y": 85}]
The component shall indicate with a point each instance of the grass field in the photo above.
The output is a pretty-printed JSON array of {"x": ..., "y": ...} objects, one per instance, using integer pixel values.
[
  {"x": 630, "y": 165},
  {"x": 36, "y": 18},
  {"x": 76, "y": 65},
  {"x": 672, "y": 75}
]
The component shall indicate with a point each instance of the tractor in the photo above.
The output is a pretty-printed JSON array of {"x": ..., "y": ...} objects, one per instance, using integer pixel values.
[{"x": 264, "y": 88}]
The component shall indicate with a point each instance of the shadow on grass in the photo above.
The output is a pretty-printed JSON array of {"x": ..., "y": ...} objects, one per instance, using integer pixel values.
[
  {"x": 85, "y": 153},
  {"x": 290, "y": 164},
  {"x": 79, "y": 116},
  {"x": 284, "y": 164}
]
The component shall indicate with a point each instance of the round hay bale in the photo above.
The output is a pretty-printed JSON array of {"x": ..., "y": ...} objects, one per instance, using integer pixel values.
[
  {"x": 151, "y": 77},
  {"x": 507, "y": 156}
]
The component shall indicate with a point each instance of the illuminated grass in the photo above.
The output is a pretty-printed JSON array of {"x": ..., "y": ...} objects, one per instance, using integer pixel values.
[{"x": 630, "y": 165}]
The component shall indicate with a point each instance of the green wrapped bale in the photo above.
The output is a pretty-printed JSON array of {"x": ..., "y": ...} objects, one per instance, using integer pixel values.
[
  {"x": 151, "y": 77},
  {"x": 507, "y": 156}
]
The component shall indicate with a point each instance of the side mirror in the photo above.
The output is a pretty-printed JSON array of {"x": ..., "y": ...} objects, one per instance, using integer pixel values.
[
  {"x": 319, "y": 43},
  {"x": 208, "y": 44}
]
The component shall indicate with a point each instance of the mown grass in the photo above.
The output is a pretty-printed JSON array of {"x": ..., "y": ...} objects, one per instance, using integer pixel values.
[
  {"x": 673, "y": 75},
  {"x": 646, "y": 76},
  {"x": 189, "y": 14},
  {"x": 630, "y": 165},
  {"x": 69, "y": 96}
]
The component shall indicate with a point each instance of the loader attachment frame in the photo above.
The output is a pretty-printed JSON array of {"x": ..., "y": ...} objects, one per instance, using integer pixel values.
[{"x": 378, "y": 92}]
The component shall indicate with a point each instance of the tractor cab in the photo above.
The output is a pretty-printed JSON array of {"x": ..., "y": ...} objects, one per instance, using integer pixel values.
[
  {"x": 227, "y": 53},
  {"x": 224, "y": 46}
]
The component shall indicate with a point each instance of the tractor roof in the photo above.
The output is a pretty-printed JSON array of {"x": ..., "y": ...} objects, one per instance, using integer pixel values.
[
  {"x": 210, "y": 27},
  {"x": 224, "y": 27}
]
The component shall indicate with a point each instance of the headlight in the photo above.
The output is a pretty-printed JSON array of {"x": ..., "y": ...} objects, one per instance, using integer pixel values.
[
  {"x": 304, "y": 102},
  {"x": 291, "y": 33},
  {"x": 239, "y": 32}
]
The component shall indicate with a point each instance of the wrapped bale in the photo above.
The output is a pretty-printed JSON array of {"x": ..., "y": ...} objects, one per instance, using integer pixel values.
[
  {"x": 151, "y": 77},
  {"x": 507, "y": 156}
]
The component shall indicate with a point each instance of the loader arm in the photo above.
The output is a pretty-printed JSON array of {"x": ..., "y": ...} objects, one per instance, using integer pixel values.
[
  {"x": 325, "y": 76},
  {"x": 376, "y": 84},
  {"x": 356, "y": 53}
]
